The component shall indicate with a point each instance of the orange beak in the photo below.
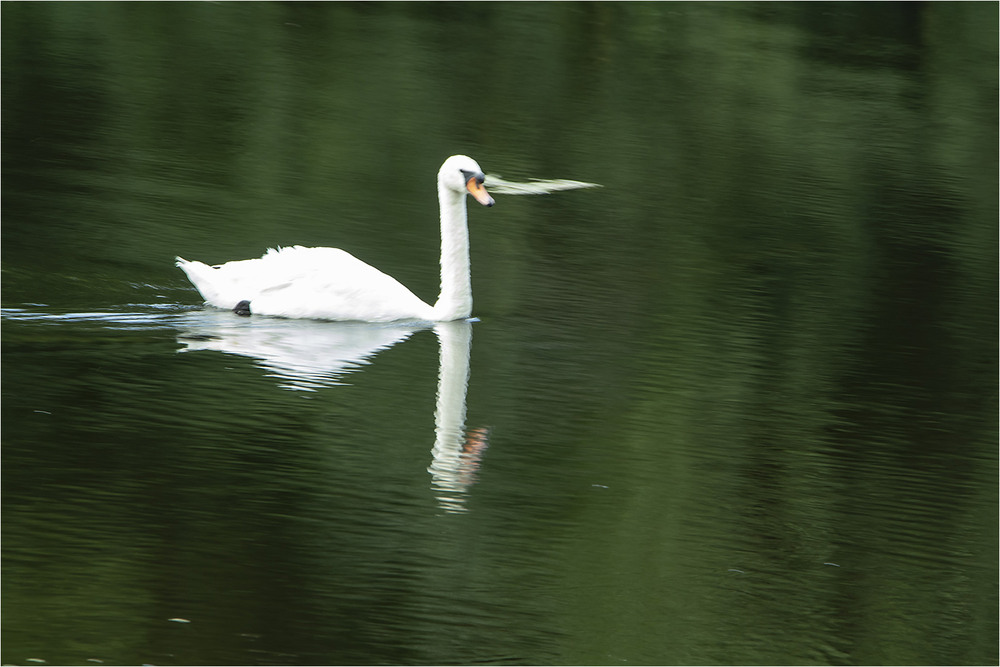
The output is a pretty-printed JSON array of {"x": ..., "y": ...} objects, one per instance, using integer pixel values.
[{"x": 475, "y": 187}]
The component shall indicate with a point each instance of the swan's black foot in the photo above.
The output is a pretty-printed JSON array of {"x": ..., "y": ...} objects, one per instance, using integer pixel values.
[{"x": 242, "y": 308}]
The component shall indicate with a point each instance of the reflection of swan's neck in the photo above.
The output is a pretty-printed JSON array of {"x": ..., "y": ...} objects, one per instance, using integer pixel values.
[
  {"x": 449, "y": 418},
  {"x": 455, "y": 299}
]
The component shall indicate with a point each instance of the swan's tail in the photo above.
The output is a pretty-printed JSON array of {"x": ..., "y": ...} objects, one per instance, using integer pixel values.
[{"x": 207, "y": 281}]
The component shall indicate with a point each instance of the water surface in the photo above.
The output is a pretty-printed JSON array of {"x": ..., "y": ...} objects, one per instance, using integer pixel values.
[{"x": 736, "y": 406}]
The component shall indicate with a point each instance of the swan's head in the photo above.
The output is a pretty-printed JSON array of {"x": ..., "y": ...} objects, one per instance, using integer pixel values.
[{"x": 462, "y": 174}]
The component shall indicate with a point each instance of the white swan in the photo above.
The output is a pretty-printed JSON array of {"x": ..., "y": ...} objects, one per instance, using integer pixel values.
[{"x": 331, "y": 284}]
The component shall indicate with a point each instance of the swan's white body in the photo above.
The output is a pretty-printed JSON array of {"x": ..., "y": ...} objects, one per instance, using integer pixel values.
[{"x": 329, "y": 283}]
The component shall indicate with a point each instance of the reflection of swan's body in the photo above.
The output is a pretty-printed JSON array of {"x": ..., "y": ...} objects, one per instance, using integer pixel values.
[
  {"x": 304, "y": 355},
  {"x": 329, "y": 283}
]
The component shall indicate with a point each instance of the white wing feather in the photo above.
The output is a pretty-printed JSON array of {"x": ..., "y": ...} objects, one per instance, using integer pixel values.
[{"x": 322, "y": 283}]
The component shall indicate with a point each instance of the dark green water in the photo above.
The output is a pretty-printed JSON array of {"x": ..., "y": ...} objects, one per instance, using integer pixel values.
[{"x": 737, "y": 406}]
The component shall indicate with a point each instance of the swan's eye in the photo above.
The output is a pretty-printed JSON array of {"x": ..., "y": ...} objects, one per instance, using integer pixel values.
[{"x": 468, "y": 175}]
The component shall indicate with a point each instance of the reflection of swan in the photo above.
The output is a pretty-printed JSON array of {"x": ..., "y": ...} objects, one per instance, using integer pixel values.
[
  {"x": 456, "y": 455},
  {"x": 306, "y": 355},
  {"x": 329, "y": 283},
  {"x": 310, "y": 355}
]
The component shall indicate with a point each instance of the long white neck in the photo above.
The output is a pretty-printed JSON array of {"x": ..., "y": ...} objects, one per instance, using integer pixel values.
[{"x": 455, "y": 300}]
